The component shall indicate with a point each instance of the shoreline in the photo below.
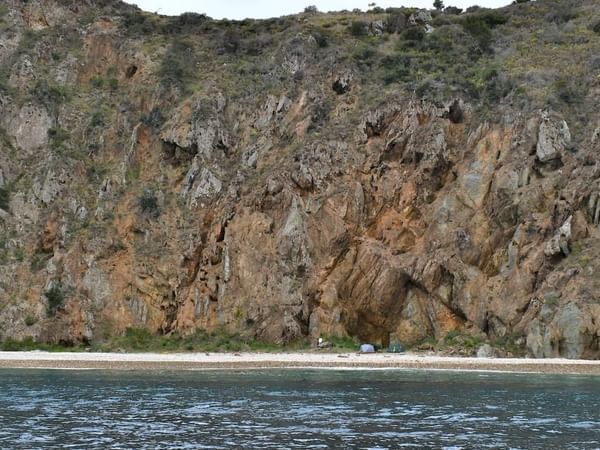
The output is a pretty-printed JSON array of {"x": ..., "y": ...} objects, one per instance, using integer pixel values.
[{"x": 301, "y": 360}]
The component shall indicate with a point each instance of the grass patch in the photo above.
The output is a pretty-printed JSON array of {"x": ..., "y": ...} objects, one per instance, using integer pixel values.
[
  {"x": 457, "y": 339},
  {"x": 513, "y": 344},
  {"x": 30, "y": 344},
  {"x": 142, "y": 340},
  {"x": 100, "y": 82},
  {"x": 343, "y": 343},
  {"x": 133, "y": 174}
]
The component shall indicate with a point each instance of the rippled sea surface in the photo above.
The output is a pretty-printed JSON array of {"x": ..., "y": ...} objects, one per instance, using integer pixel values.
[{"x": 292, "y": 409}]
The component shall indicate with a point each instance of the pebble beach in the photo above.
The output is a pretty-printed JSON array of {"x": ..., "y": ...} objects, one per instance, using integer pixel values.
[{"x": 311, "y": 360}]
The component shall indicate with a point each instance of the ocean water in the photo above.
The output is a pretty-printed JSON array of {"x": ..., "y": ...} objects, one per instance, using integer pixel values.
[{"x": 297, "y": 409}]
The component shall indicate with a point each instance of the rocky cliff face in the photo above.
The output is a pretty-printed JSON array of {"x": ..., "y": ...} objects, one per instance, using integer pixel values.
[{"x": 385, "y": 176}]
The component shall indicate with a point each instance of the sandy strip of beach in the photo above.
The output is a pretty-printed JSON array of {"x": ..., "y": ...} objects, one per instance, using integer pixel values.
[{"x": 198, "y": 361}]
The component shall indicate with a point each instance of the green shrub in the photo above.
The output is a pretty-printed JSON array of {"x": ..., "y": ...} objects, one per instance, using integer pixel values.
[
  {"x": 97, "y": 119},
  {"x": 39, "y": 261},
  {"x": 57, "y": 137},
  {"x": 97, "y": 81},
  {"x": 414, "y": 34},
  {"x": 148, "y": 203},
  {"x": 186, "y": 23},
  {"x": 496, "y": 86},
  {"x": 231, "y": 41},
  {"x": 4, "y": 198},
  {"x": 154, "y": 119},
  {"x": 30, "y": 321},
  {"x": 452, "y": 10},
  {"x": 468, "y": 342},
  {"x": 49, "y": 95},
  {"x": 513, "y": 343},
  {"x": 138, "y": 338},
  {"x": 137, "y": 23},
  {"x": 321, "y": 38},
  {"x": 56, "y": 299},
  {"x": 12, "y": 345},
  {"x": 479, "y": 25},
  {"x": 358, "y": 28},
  {"x": 4, "y": 87},
  {"x": 256, "y": 46},
  {"x": 395, "y": 21},
  {"x": 560, "y": 14},
  {"x": 96, "y": 173},
  {"x": 423, "y": 89},
  {"x": 568, "y": 92},
  {"x": 365, "y": 54},
  {"x": 5, "y": 140},
  {"x": 20, "y": 254},
  {"x": 320, "y": 115},
  {"x": 178, "y": 64},
  {"x": 29, "y": 344},
  {"x": 29, "y": 40},
  {"x": 396, "y": 68},
  {"x": 133, "y": 174}
]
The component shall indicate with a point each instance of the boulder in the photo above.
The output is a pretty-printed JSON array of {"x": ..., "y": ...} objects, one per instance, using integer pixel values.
[
  {"x": 486, "y": 351},
  {"x": 554, "y": 138},
  {"x": 302, "y": 177},
  {"x": 30, "y": 127},
  {"x": 420, "y": 17},
  {"x": 559, "y": 243},
  {"x": 207, "y": 186},
  {"x": 377, "y": 28}
]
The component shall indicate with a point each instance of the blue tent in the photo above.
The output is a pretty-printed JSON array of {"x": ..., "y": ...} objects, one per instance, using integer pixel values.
[{"x": 367, "y": 348}]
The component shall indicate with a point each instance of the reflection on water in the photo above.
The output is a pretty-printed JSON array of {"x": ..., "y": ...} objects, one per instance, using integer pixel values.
[{"x": 291, "y": 409}]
